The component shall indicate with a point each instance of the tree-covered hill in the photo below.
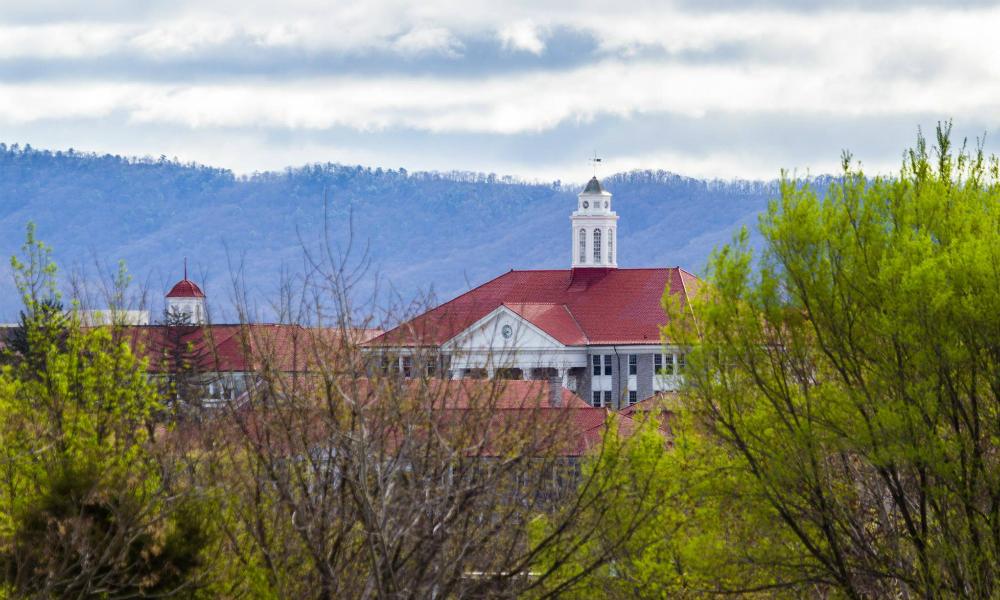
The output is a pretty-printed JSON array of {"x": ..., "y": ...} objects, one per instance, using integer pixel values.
[{"x": 440, "y": 231}]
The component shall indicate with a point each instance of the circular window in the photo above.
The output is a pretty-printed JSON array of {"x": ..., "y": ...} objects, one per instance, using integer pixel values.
[
  {"x": 507, "y": 331},
  {"x": 605, "y": 204},
  {"x": 586, "y": 204}
]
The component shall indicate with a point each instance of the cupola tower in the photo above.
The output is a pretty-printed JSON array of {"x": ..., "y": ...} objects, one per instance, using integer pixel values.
[
  {"x": 595, "y": 229},
  {"x": 186, "y": 298}
]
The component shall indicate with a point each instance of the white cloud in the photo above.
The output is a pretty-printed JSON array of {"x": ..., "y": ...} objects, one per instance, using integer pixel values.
[
  {"x": 183, "y": 38},
  {"x": 523, "y": 35},
  {"x": 510, "y": 103},
  {"x": 423, "y": 40},
  {"x": 60, "y": 40}
]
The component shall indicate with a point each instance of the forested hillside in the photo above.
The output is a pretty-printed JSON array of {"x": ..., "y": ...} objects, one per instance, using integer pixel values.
[{"x": 423, "y": 231}]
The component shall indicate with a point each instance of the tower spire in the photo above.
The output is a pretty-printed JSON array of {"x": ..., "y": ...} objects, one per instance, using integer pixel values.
[{"x": 185, "y": 268}]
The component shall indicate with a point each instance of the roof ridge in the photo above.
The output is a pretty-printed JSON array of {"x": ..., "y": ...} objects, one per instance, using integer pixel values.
[
  {"x": 687, "y": 296},
  {"x": 586, "y": 338},
  {"x": 684, "y": 287},
  {"x": 683, "y": 270}
]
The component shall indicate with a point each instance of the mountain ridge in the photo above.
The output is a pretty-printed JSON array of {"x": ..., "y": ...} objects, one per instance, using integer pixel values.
[{"x": 424, "y": 230}]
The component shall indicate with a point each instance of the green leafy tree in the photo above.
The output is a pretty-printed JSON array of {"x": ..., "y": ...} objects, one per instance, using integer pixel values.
[
  {"x": 850, "y": 375},
  {"x": 683, "y": 523},
  {"x": 839, "y": 430},
  {"x": 89, "y": 503},
  {"x": 43, "y": 314}
]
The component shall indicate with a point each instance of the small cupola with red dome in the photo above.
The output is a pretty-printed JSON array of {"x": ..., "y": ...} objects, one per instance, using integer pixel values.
[{"x": 186, "y": 298}]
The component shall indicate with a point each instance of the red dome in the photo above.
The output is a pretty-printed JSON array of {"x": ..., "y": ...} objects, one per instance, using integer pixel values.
[{"x": 185, "y": 289}]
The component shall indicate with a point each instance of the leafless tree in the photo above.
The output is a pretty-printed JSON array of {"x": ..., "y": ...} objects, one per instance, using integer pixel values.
[{"x": 347, "y": 479}]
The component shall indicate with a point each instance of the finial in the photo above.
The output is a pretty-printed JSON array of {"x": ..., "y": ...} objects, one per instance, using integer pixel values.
[
  {"x": 594, "y": 162},
  {"x": 185, "y": 268}
]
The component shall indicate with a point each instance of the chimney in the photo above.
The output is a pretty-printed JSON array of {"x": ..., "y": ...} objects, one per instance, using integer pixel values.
[{"x": 555, "y": 391}]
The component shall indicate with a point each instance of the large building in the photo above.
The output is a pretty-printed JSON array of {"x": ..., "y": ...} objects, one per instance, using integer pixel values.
[{"x": 593, "y": 326}]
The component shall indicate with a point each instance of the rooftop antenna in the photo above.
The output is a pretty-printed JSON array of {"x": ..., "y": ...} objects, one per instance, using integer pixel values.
[
  {"x": 594, "y": 161},
  {"x": 185, "y": 268}
]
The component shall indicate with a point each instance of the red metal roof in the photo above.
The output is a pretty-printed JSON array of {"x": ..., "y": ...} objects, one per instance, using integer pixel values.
[
  {"x": 575, "y": 306},
  {"x": 236, "y": 348},
  {"x": 503, "y": 394},
  {"x": 553, "y": 319},
  {"x": 495, "y": 409},
  {"x": 185, "y": 288}
]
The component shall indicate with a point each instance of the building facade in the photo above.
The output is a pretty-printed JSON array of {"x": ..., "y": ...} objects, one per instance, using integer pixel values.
[{"x": 595, "y": 327}]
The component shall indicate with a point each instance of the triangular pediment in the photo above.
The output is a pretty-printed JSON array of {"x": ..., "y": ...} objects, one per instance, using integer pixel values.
[{"x": 503, "y": 330}]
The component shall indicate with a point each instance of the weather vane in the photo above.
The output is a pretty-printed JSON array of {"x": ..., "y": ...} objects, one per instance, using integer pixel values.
[{"x": 594, "y": 161}]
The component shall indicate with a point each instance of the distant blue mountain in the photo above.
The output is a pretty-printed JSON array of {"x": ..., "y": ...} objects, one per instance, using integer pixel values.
[{"x": 423, "y": 231}]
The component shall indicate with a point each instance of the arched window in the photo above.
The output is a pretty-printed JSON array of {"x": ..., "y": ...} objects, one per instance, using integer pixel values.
[
  {"x": 583, "y": 245},
  {"x": 611, "y": 246},
  {"x": 597, "y": 246}
]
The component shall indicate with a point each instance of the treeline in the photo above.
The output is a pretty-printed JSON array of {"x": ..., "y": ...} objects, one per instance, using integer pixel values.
[{"x": 449, "y": 229}]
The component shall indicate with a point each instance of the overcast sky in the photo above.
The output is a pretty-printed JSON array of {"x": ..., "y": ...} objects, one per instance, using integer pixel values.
[{"x": 721, "y": 88}]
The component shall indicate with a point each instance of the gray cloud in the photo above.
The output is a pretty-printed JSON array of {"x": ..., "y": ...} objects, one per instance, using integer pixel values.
[
  {"x": 242, "y": 57},
  {"x": 713, "y": 87},
  {"x": 48, "y": 11}
]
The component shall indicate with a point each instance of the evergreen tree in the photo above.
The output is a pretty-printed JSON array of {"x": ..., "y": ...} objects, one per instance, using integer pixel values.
[{"x": 184, "y": 360}]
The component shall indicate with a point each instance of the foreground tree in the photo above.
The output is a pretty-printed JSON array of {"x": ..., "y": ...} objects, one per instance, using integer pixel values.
[
  {"x": 851, "y": 376},
  {"x": 88, "y": 503}
]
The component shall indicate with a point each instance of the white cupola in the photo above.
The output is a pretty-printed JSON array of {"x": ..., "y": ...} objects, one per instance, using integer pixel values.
[
  {"x": 186, "y": 298},
  {"x": 595, "y": 229}
]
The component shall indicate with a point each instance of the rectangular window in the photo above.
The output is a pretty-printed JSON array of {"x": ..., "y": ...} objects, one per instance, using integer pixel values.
[
  {"x": 669, "y": 370},
  {"x": 607, "y": 364},
  {"x": 657, "y": 363},
  {"x": 681, "y": 363},
  {"x": 431, "y": 366},
  {"x": 632, "y": 396},
  {"x": 597, "y": 364},
  {"x": 597, "y": 399},
  {"x": 633, "y": 364},
  {"x": 407, "y": 366},
  {"x": 385, "y": 364},
  {"x": 607, "y": 398}
]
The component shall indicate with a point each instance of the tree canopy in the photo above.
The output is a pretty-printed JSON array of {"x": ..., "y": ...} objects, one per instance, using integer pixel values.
[{"x": 851, "y": 374}]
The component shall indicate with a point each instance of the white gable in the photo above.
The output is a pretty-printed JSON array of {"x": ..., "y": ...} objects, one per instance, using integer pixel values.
[
  {"x": 484, "y": 345},
  {"x": 502, "y": 331}
]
